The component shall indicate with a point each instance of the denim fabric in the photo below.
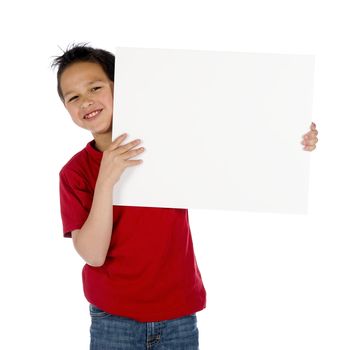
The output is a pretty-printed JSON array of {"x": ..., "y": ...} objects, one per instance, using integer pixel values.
[{"x": 110, "y": 332}]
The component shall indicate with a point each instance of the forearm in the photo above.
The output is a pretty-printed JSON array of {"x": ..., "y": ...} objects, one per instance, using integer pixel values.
[{"x": 93, "y": 240}]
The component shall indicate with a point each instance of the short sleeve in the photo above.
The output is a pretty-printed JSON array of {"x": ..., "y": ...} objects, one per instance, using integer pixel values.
[{"x": 75, "y": 200}]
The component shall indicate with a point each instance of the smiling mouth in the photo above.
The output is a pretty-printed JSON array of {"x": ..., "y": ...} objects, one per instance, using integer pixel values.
[{"x": 92, "y": 114}]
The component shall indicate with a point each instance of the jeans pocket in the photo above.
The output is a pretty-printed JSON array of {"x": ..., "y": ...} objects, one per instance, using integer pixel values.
[{"x": 96, "y": 312}]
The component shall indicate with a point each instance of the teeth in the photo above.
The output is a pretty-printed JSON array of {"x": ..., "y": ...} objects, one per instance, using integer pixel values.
[{"x": 92, "y": 114}]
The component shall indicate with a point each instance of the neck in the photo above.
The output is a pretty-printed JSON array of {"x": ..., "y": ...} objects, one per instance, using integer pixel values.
[{"x": 103, "y": 141}]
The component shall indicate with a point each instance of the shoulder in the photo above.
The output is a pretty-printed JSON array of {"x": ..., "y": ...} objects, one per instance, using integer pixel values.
[{"x": 75, "y": 164}]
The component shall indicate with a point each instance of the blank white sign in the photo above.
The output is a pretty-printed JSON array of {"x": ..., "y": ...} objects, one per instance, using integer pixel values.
[{"x": 222, "y": 130}]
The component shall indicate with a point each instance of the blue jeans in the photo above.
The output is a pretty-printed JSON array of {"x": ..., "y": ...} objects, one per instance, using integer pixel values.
[{"x": 111, "y": 332}]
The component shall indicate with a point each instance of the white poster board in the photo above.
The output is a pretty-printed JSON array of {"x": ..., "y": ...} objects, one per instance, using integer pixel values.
[{"x": 222, "y": 130}]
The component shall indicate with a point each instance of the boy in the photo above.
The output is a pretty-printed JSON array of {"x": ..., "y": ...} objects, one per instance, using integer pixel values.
[{"x": 141, "y": 276}]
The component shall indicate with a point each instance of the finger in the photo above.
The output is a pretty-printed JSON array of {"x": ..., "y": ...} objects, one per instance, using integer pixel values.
[
  {"x": 310, "y": 141},
  {"x": 117, "y": 141},
  {"x": 311, "y": 133},
  {"x": 309, "y": 148},
  {"x": 310, "y": 136},
  {"x": 133, "y": 162},
  {"x": 313, "y": 126},
  {"x": 128, "y": 146},
  {"x": 133, "y": 153}
]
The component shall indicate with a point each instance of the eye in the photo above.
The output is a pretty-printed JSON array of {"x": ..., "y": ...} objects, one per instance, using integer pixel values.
[
  {"x": 95, "y": 88},
  {"x": 72, "y": 98}
]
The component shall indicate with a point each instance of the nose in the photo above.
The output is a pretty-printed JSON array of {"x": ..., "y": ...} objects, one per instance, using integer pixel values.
[{"x": 86, "y": 102}]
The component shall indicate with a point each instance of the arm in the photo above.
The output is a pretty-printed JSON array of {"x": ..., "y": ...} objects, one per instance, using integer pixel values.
[{"x": 93, "y": 239}]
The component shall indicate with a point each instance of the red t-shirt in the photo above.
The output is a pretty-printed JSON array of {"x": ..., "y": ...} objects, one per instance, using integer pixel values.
[{"x": 150, "y": 272}]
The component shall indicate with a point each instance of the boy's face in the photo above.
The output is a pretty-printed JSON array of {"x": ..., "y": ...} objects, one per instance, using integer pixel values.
[{"x": 88, "y": 96}]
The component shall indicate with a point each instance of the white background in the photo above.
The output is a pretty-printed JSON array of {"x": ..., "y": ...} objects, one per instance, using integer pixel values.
[{"x": 273, "y": 281}]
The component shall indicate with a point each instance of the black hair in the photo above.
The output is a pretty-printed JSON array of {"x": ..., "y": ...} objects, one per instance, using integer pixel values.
[{"x": 83, "y": 53}]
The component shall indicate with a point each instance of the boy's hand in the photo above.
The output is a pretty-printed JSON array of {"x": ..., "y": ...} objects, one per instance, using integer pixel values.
[
  {"x": 310, "y": 139},
  {"x": 116, "y": 158}
]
